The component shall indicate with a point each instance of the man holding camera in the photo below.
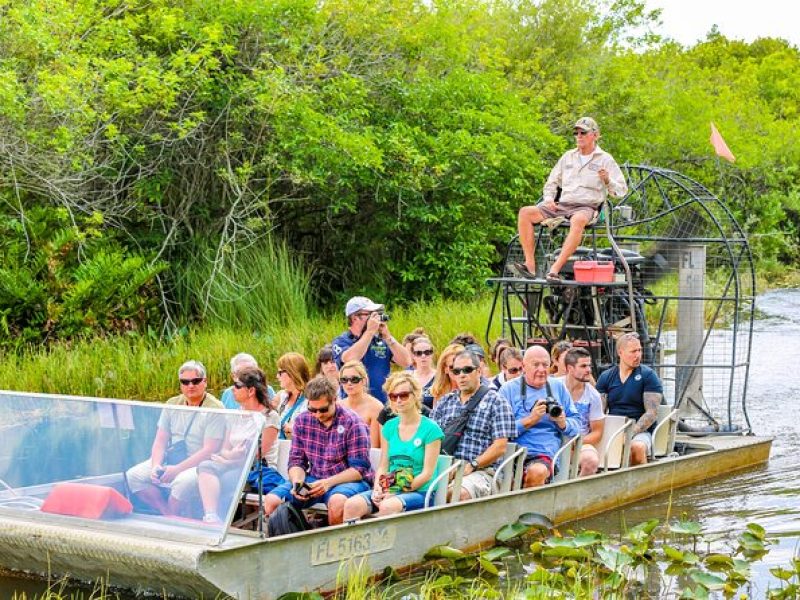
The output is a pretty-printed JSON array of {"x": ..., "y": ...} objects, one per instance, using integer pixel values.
[
  {"x": 543, "y": 411},
  {"x": 329, "y": 459},
  {"x": 368, "y": 339}
]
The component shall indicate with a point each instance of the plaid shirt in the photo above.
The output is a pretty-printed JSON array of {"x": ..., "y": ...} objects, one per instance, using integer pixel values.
[
  {"x": 492, "y": 419},
  {"x": 327, "y": 451}
]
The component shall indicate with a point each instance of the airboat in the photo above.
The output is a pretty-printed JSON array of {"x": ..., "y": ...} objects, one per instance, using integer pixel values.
[{"x": 676, "y": 256}]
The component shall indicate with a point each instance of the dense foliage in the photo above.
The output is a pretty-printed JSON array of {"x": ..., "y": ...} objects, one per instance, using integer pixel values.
[{"x": 388, "y": 143}]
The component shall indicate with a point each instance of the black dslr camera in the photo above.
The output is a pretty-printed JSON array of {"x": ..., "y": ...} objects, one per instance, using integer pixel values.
[
  {"x": 383, "y": 317},
  {"x": 553, "y": 408}
]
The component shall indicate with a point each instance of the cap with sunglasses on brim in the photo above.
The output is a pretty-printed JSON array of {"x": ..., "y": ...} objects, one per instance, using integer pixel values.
[
  {"x": 586, "y": 124},
  {"x": 476, "y": 349},
  {"x": 359, "y": 303}
]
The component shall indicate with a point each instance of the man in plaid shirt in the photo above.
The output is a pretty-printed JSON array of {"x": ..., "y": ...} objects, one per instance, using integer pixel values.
[
  {"x": 329, "y": 459},
  {"x": 488, "y": 430}
]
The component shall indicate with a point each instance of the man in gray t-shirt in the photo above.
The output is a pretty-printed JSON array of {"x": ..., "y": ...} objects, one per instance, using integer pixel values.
[{"x": 589, "y": 405}]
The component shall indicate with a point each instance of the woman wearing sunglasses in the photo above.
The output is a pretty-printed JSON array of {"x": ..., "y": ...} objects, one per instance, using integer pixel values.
[
  {"x": 423, "y": 358},
  {"x": 445, "y": 382},
  {"x": 354, "y": 382},
  {"x": 510, "y": 361},
  {"x": 293, "y": 375},
  {"x": 222, "y": 470},
  {"x": 410, "y": 446}
]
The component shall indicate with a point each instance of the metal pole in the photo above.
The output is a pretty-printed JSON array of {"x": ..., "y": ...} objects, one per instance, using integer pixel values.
[{"x": 691, "y": 324}]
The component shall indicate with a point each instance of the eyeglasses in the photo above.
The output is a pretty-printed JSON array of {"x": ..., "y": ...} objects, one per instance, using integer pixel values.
[
  {"x": 354, "y": 379},
  {"x": 193, "y": 381},
  {"x": 314, "y": 411},
  {"x": 427, "y": 352},
  {"x": 464, "y": 370},
  {"x": 239, "y": 385},
  {"x": 514, "y": 370},
  {"x": 363, "y": 315},
  {"x": 580, "y": 132},
  {"x": 399, "y": 396}
]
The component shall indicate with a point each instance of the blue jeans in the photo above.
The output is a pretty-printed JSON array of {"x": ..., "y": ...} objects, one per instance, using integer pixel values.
[
  {"x": 409, "y": 500},
  {"x": 284, "y": 492}
]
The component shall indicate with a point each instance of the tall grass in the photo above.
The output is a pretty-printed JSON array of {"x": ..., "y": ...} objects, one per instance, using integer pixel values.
[
  {"x": 140, "y": 368},
  {"x": 258, "y": 287}
]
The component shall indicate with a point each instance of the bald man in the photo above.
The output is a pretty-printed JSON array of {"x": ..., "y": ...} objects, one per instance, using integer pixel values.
[{"x": 537, "y": 430}]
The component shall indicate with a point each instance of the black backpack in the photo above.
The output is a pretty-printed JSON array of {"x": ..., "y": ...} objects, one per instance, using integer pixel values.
[
  {"x": 454, "y": 430},
  {"x": 287, "y": 518}
]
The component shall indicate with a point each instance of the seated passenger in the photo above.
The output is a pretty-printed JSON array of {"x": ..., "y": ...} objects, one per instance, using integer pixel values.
[
  {"x": 537, "y": 430},
  {"x": 170, "y": 487},
  {"x": 239, "y": 361},
  {"x": 588, "y": 404},
  {"x": 355, "y": 383},
  {"x": 557, "y": 354},
  {"x": 633, "y": 390},
  {"x": 222, "y": 470},
  {"x": 410, "y": 448},
  {"x": 329, "y": 459},
  {"x": 326, "y": 365},
  {"x": 423, "y": 357},
  {"x": 293, "y": 375},
  {"x": 488, "y": 430},
  {"x": 445, "y": 382},
  {"x": 510, "y": 362}
]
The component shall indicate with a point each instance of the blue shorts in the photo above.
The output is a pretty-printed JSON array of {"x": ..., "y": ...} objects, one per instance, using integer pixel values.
[
  {"x": 409, "y": 500},
  {"x": 284, "y": 492}
]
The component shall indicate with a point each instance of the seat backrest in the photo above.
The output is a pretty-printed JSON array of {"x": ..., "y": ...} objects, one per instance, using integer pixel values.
[
  {"x": 566, "y": 459},
  {"x": 664, "y": 433},
  {"x": 612, "y": 444},
  {"x": 440, "y": 493},
  {"x": 283, "y": 457},
  {"x": 375, "y": 458}
]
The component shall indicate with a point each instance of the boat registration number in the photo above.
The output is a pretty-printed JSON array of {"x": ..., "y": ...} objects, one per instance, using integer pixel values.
[{"x": 349, "y": 545}]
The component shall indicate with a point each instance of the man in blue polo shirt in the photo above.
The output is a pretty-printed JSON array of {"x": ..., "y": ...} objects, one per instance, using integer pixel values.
[
  {"x": 633, "y": 390},
  {"x": 368, "y": 339},
  {"x": 537, "y": 430}
]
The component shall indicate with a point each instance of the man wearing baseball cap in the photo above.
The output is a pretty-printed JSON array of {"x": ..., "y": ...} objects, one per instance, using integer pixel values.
[
  {"x": 584, "y": 176},
  {"x": 368, "y": 339}
]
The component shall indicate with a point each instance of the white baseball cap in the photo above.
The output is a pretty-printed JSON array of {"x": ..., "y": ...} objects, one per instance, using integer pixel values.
[{"x": 357, "y": 303}]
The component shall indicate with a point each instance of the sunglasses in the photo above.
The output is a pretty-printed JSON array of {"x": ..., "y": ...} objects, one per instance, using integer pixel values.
[
  {"x": 280, "y": 372},
  {"x": 399, "y": 396},
  {"x": 239, "y": 385},
  {"x": 193, "y": 381},
  {"x": 464, "y": 370},
  {"x": 580, "y": 132},
  {"x": 354, "y": 379},
  {"x": 514, "y": 370},
  {"x": 428, "y": 352},
  {"x": 314, "y": 411}
]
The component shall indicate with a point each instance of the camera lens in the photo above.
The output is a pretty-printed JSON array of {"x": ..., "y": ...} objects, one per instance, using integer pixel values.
[
  {"x": 555, "y": 410},
  {"x": 384, "y": 317}
]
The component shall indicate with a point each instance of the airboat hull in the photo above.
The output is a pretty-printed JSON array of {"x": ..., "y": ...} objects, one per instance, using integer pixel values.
[{"x": 247, "y": 566}]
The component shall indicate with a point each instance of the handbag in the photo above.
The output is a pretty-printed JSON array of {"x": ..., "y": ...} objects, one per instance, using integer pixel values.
[
  {"x": 454, "y": 430},
  {"x": 177, "y": 452}
]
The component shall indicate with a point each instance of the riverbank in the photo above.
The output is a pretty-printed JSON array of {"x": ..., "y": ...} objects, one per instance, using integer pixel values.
[{"x": 141, "y": 368}]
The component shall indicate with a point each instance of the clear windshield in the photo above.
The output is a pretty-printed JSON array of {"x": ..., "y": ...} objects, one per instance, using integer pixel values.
[{"x": 89, "y": 462}]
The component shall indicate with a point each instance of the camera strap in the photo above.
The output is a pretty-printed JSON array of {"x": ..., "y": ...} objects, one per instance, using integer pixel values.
[{"x": 523, "y": 390}]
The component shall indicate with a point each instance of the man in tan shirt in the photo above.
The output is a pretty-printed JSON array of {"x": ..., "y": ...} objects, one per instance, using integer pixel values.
[{"x": 586, "y": 175}]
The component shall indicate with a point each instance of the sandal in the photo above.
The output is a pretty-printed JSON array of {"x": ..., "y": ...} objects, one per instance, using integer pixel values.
[
  {"x": 551, "y": 276},
  {"x": 520, "y": 270}
]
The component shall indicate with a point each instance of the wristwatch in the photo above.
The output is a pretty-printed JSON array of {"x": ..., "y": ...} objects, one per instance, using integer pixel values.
[{"x": 474, "y": 464}]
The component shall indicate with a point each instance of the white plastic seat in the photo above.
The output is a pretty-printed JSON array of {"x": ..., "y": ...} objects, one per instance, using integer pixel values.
[
  {"x": 438, "y": 487},
  {"x": 614, "y": 447},
  {"x": 508, "y": 476},
  {"x": 664, "y": 433},
  {"x": 567, "y": 458}
]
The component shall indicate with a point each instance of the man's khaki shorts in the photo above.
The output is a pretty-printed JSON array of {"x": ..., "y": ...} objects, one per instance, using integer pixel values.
[
  {"x": 565, "y": 210},
  {"x": 479, "y": 484}
]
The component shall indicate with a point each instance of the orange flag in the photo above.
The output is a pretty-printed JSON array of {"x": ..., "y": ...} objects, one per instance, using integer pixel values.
[{"x": 720, "y": 147}]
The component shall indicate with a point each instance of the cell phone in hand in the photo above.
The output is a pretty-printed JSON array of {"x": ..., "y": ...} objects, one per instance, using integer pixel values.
[{"x": 302, "y": 488}]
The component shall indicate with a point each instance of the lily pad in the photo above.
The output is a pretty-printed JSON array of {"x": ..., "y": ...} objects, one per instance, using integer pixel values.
[
  {"x": 721, "y": 561},
  {"x": 511, "y": 531},
  {"x": 443, "y": 552},
  {"x": 487, "y": 566},
  {"x": 781, "y": 573},
  {"x": 686, "y": 528},
  {"x": 535, "y": 520},
  {"x": 757, "y": 530},
  {"x": 566, "y": 552},
  {"x": 708, "y": 581},
  {"x": 673, "y": 554},
  {"x": 496, "y": 553}
]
